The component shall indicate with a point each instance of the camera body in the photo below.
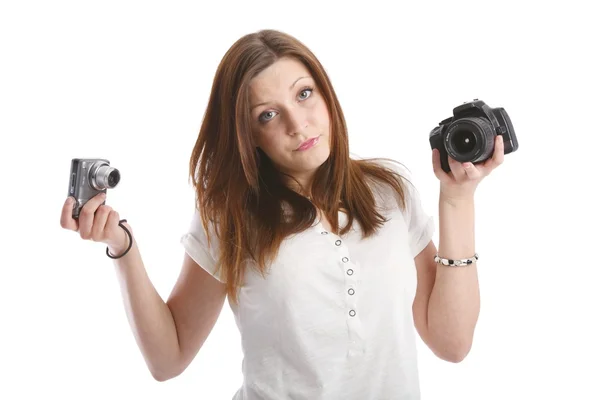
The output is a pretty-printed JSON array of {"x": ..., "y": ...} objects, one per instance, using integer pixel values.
[
  {"x": 89, "y": 177},
  {"x": 469, "y": 135}
]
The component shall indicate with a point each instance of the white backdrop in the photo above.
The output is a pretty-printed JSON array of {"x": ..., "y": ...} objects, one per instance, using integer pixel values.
[{"x": 129, "y": 81}]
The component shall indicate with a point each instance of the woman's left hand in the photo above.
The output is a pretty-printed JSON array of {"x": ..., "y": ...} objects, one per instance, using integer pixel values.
[{"x": 463, "y": 178}]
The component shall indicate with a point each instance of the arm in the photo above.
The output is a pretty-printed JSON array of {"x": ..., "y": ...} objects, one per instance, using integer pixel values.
[
  {"x": 447, "y": 303},
  {"x": 446, "y": 307},
  {"x": 169, "y": 334}
]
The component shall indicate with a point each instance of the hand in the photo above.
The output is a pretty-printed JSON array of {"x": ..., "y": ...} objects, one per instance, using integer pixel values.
[
  {"x": 97, "y": 222},
  {"x": 463, "y": 178}
]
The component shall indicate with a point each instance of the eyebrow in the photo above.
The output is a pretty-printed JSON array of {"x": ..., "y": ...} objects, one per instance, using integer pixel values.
[{"x": 291, "y": 87}]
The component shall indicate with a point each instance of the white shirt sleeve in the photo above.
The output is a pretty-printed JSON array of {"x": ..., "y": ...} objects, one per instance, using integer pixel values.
[
  {"x": 195, "y": 243},
  {"x": 420, "y": 223}
]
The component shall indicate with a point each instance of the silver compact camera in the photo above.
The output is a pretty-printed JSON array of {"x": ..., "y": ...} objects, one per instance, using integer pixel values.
[{"x": 88, "y": 178}]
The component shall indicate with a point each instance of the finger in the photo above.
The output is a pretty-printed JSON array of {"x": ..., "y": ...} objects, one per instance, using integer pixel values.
[
  {"x": 438, "y": 170},
  {"x": 437, "y": 165},
  {"x": 100, "y": 219},
  {"x": 498, "y": 156},
  {"x": 112, "y": 223},
  {"x": 471, "y": 171},
  {"x": 86, "y": 216},
  {"x": 499, "y": 151},
  {"x": 66, "y": 217},
  {"x": 458, "y": 171}
]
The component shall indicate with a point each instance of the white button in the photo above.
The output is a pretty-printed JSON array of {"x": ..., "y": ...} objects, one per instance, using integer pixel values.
[
  {"x": 345, "y": 259},
  {"x": 352, "y": 313},
  {"x": 350, "y": 272},
  {"x": 338, "y": 242},
  {"x": 324, "y": 233},
  {"x": 350, "y": 291}
]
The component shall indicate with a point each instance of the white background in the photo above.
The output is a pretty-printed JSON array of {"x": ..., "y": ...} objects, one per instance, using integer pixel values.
[{"x": 129, "y": 81}]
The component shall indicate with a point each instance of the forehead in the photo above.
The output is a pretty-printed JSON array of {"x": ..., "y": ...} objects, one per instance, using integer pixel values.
[{"x": 277, "y": 78}]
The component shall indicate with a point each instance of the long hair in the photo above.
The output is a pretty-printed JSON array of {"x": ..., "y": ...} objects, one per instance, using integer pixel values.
[{"x": 239, "y": 190}]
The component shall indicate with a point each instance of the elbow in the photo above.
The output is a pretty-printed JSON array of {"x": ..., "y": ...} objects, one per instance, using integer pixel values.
[
  {"x": 456, "y": 357},
  {"x": 451, "y": 352},
  {"x": 166, "y": 369},
  {"x": 456, "y": 354},
  {"x": 160, "y": 378},
  {"x": 160, "y": 375},
  {"x": 163, "y": 377},
  {"x": 451, "y": 348}
]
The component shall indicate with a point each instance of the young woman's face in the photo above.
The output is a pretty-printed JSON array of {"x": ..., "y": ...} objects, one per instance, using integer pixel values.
[{"x": 290, "y": 121}]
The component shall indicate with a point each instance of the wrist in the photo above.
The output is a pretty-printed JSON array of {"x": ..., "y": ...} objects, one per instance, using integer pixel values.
[
  {"x": 456, "y": 201},
  {"x": 121, "y": 245}
]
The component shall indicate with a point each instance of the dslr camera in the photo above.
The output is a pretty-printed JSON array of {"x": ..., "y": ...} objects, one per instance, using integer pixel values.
[
  {"x": 468, "y": 136},
  {"x": 89, "y": 177}
]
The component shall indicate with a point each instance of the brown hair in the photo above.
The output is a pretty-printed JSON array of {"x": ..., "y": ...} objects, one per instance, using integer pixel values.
[{"x": 240, "y": 191}]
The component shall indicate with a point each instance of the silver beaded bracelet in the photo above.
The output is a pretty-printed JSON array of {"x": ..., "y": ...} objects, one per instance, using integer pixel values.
[{"x": 456, "y": 263}]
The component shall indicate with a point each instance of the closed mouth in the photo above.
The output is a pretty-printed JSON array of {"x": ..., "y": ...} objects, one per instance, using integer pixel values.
[{"x": 310, "y": 142}]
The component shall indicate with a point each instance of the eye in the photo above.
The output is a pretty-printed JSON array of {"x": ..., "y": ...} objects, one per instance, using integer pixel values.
[
  {"x": 307, "y": 90},
  {"x": 264, "y": 117}
]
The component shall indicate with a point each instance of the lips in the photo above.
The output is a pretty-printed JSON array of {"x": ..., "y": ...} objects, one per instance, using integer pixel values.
[{"x": 308, "y": 144}]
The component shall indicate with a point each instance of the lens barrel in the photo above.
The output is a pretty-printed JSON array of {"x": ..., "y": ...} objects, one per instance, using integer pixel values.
[
  {"x": 469, "y": 139},
  {"x": 104, "y": 177}
]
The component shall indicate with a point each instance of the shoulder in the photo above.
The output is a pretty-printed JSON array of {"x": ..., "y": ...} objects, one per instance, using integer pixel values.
[
  {"x": 386, "y": 195},
  {"x": 201, "y": 242},
  {"x": 388, "y": 164},
  {"x": 394, "y": 166}
]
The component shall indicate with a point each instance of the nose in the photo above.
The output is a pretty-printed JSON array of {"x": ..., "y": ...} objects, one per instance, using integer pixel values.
[{"x": 297, "y": 121}]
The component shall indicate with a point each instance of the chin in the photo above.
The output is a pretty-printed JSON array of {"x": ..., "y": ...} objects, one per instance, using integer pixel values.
[
  {"x": 313, "y": 161},
  {"x": 306, "y": 163}
]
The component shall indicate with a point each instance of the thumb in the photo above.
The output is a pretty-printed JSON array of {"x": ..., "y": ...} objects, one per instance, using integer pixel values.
[{"x": 66, "y": 217}]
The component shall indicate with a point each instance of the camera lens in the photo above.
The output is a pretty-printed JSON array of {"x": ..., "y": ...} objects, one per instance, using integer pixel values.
[
  {"x": 463, "y": 141},
  {"x": 470, "y": 139},
  {"x": 104, "y": 177},
  {"x": 113, "y": 178}
]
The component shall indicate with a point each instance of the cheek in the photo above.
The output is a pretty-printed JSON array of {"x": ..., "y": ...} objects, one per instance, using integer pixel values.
[
  {"x": 324, "y": 115},
  {"x": 270, "y": 144}
]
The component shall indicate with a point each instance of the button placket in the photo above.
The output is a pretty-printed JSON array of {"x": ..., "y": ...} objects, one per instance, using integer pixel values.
[{"x": 349, "y": 269}]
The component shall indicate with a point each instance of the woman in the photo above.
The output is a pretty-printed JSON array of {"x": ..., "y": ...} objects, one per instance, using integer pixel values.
[{"x": 327, "y": 261}]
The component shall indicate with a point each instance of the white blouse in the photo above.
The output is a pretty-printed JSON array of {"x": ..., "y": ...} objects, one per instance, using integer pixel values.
[{"x": 333, "y": 318}]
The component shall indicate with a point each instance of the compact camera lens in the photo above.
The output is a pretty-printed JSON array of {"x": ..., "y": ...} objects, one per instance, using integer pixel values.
[
  {"x": 104, "y": 177},
  {"x": 113, "y": 178}
]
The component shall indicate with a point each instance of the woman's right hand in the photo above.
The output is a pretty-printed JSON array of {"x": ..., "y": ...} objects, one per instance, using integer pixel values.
[{"x": 97, "y": 222}]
